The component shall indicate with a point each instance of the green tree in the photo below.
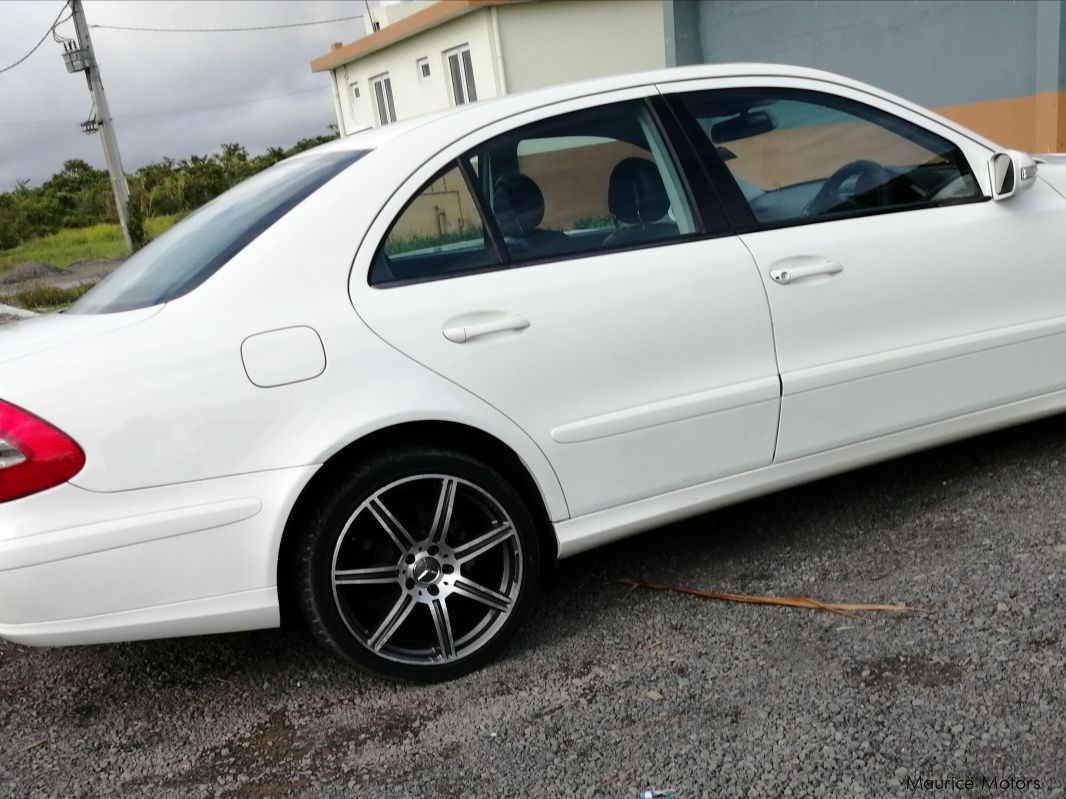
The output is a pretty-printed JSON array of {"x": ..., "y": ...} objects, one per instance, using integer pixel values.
[{"x": 79, "y": 195}]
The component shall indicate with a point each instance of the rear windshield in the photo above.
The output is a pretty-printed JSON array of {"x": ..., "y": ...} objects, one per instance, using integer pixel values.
[{"x": 197, "y": 247}]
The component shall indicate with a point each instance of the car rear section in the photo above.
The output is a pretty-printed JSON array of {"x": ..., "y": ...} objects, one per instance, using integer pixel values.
[
  {"x": 201, "y": 421},
  {"x": 84, "y": 560}
]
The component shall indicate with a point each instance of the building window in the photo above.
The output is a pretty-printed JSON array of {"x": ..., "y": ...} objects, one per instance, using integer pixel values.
[
  {"x": 422, "y": 65},
  {"x": 383, "y": 102},
  {"x": 462, "y": 75},
  {"x": 355, "y": 91}
]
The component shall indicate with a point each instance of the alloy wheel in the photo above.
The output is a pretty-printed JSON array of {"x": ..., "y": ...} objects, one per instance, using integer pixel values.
[{"x": 427, "y": 570}]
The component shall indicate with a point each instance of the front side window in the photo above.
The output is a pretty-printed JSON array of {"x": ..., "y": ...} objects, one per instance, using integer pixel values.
[
  {"x": 801, "y": 155},
  {"x": 461, "y": 71},
  {"x": 189, "y": 253},
  {"x": 383, "y": 102}
]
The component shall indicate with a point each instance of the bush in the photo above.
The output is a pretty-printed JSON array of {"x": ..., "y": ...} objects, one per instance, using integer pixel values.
[{"x": 135, "y": 223}]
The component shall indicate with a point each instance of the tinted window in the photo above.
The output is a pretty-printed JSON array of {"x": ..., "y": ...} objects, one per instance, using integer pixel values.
[
  {"x": 596, "y": 179},
  {"x": 439, "y": 233},
  {"x": 197, "y": 247},
  {"x": 599, "y": 178},
  {"x": 806, "y": 155}
]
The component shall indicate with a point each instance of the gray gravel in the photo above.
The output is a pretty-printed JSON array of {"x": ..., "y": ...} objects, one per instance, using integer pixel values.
[{"x": 604, "y": 696}]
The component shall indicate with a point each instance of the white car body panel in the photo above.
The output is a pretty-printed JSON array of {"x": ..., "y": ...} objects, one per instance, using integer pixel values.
[
  {"x": 647, "y": 386},
  {"x": 596, "y": 529},
  {"x": 279, "y": 357},
  {"x": 862, "y": 353},
  {"x": 308, "y": 421},
  {"x": 156, "y": 561},
  {"x": 604, "y": 380},
  {"x": 36, "y": 334}
]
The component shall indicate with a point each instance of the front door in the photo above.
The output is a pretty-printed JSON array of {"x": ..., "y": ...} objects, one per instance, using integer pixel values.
[{"x": 901, "y": 296}]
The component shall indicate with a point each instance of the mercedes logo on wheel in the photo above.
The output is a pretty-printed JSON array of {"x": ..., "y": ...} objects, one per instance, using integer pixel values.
[{"x": 426, "y": 570}]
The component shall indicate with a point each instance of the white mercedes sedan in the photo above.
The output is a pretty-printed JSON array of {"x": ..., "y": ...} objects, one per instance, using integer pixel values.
[{"x": 387, "y": 382}]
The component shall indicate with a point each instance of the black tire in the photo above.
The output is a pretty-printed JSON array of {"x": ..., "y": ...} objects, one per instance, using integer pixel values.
[{"x": 407, "y": 584}]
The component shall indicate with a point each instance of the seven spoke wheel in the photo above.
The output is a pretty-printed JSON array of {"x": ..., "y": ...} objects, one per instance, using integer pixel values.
[{"x": 429, "y": 569}]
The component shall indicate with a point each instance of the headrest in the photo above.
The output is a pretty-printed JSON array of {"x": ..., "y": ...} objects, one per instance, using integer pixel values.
[
  {"x": 518, "y": 203},
  {"x": 636, "y": 194}
]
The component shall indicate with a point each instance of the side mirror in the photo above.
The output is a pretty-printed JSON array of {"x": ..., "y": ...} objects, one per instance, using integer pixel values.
[{"x": 1011, "y": 172}]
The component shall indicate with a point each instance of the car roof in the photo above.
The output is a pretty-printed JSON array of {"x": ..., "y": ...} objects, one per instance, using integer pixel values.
[{"x": 467, "y": 118}]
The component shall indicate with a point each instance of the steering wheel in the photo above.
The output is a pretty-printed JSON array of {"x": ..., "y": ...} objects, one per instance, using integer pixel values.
[{"x": 869, "y": 176}]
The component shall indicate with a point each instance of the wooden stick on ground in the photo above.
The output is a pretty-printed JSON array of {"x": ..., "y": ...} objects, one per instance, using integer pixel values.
[{"x": 842, "y": 608}]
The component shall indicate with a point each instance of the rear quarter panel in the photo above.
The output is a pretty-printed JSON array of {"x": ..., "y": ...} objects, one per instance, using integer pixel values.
[{"x": 169, "y": 401}]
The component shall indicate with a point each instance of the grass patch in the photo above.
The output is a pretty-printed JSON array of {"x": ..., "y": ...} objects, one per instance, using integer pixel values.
[
  {"x": 397, "y": 245},
  {"x": 593, "y": 223},
  {"x": 97, "y": 242},
  {"x": 46, "y": 298}
]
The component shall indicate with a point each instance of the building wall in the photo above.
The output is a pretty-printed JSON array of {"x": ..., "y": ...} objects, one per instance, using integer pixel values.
[
  {"x": 412, "y": 94},
  {"x": 998, "y": 66},
  {"x": 558, "y": 41},
  {"x": 542, "y": 43}
]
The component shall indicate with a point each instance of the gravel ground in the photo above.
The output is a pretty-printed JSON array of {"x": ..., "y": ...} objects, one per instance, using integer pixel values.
[{"x": 605, "y": 695}]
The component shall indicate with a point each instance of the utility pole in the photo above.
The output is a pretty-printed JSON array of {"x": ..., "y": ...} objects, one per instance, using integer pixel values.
[{"x": 82, "y": 59}]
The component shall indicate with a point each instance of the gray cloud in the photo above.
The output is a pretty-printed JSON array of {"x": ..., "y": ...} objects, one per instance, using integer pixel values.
[{"x": 163, "y": 87}]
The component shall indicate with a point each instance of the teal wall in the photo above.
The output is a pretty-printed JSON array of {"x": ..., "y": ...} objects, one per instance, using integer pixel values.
[{"x": 934, "y": 52}]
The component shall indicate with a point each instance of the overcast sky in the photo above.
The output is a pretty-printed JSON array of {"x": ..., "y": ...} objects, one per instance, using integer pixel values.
[{"x": 156, "y": 81}]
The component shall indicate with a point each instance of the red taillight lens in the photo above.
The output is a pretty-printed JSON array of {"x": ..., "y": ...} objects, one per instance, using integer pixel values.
[{"x": 33, "y": 454}]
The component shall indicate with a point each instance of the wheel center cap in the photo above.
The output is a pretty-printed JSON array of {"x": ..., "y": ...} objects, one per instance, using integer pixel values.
[{"x": 426, "y": 570}]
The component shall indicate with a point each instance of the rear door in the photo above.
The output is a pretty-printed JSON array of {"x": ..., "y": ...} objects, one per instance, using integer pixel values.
[
  {"x": 554, "y": 265},
  {"x": 901, "y": 295}
]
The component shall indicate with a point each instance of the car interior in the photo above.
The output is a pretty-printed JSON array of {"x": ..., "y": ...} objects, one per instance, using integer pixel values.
[
  {"x": 592, "y": 180},
  {"x": 821, "y": 131}
]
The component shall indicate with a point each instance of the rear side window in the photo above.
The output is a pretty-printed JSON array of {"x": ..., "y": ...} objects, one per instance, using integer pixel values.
[
  {"x": 439, "y": 233},
  {"x": 592, "y": 180},
  {"x": 803, "y": 156},
  {"x": 197, "y": 247},
  {"x": 596, "y": 179}
]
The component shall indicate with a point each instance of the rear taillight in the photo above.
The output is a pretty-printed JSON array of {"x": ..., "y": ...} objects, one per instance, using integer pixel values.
[{"x": 33, "y": 454}]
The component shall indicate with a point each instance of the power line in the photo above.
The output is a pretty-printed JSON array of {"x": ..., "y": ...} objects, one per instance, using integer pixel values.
[
  {"x": 58, "y": 37},
  {"x": 225, "y": 30},
  {"x": 51, "y": 28},
  {"x": 16, "y": 123},
  {"x": 249, "y": 101}
]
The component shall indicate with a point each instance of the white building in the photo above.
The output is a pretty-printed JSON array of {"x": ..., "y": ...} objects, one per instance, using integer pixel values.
[{"x": 425, "y": 56}]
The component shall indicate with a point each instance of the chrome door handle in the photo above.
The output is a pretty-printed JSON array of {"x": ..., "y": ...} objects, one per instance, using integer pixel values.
[
  {"x": 463, "y": 328},
  {"x": 805, "y": 268}
]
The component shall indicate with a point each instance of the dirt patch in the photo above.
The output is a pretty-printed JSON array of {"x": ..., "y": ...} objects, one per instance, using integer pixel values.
[
  {"x": 914, "y": 670},
  {"x": 42, "y": 287},
  {"x": 31, "y": 270},
  {"x": 281, "y": 756},
  {"x": 84, "y": 271},
  {"x": 27, "y": 276}
]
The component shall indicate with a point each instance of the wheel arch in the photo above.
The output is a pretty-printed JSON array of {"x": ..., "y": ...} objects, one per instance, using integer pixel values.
[{"x": 452, "y": 435}]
